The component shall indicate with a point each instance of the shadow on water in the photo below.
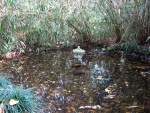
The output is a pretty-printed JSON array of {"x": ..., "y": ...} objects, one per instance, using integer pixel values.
[{"x": 102, "y": 84}]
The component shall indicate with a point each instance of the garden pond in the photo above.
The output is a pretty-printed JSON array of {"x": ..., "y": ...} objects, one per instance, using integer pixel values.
[{"x": 101, "y": 84}]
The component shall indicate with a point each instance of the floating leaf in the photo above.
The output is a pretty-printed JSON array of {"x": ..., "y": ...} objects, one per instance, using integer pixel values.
[
  {"x": 132, "y": 107},
  {"x": 64, "y": 90},
  {"x": 46, "y": 82},
  {"x": 69, "y": 91}
]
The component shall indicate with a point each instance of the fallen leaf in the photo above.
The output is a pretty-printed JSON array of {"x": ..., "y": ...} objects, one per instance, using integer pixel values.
[
  {"x": 142, "y": 67},
  {"x": 1, "y": 108},
  {"x": 13, "y": 102},
  {"x": 64, "y": 90},
  {"x": 45, "y": 82}
]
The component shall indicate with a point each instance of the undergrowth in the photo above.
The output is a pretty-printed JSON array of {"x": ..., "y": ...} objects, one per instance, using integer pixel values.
[{"x": 45, "y": 23}]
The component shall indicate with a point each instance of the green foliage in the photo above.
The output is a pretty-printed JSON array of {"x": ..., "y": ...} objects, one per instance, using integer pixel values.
[
  {"x": 36, "y": 23},
  {"x": 130, "y": 46},
  {"x": 28, "y": 101}
]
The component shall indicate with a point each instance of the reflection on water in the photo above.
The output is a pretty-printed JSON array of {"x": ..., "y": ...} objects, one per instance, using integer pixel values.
[{"x": 102, "y": 84}]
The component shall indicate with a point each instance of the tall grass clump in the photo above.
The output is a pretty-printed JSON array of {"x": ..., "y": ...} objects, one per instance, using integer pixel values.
[{"x": 16, "y": 99}]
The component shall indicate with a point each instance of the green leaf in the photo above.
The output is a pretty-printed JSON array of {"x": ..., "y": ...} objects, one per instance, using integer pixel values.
[
  {"x": 109, "y": 48},
  {"x": 148, "y": 39},
  {"x": 122, "y": 44}
]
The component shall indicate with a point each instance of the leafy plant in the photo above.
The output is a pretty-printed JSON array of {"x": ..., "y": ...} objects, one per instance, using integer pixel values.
[{"x": 26, "y": 100}]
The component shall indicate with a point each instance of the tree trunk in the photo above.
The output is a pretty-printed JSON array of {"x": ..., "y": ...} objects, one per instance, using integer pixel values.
[
  {"x": 115, "y": 23},
  {"x": 118, "y": 33}
]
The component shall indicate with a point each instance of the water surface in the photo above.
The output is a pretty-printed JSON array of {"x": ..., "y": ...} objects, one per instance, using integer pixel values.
[{"x": 101, "y": 85}]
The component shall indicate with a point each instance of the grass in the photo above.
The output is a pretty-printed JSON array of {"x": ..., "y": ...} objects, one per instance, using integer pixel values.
[{"x": 28, "y": 101}]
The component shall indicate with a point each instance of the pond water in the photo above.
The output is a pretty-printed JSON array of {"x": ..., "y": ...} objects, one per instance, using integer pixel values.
[{"x": 102, "y": 84}]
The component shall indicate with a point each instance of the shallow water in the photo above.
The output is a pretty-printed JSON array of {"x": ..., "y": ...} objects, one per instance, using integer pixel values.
[{"x": 101, "y": 85}]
